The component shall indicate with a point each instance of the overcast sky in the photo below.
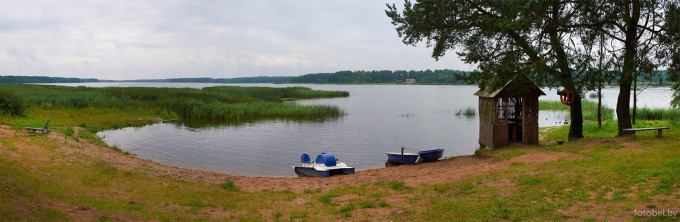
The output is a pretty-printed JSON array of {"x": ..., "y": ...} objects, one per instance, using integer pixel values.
[{"x": 143, "y": 39}]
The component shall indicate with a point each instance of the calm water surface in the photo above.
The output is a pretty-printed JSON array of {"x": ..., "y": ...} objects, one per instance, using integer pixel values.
[{"x": 380, "y": 118}]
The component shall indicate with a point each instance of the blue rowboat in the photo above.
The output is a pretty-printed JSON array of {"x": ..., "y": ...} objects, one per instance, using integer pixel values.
[
  {"x": 325, "y": 165},
  {"x": 409, "y": 158},
  {"x": 431, "y": 155}
]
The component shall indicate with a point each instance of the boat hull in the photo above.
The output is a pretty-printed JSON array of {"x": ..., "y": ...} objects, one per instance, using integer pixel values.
[
  {"x": 431, "y": 155},
  {"x": 311, "y": 172},
  {"x": 409, "y": 158}
]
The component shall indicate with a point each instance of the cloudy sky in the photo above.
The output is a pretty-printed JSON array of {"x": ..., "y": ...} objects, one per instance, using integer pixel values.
[{"x": 132, "y": 39}]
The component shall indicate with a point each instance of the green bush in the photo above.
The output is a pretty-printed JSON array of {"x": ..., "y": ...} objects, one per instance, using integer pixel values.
[{"x": 11, "y": 103}]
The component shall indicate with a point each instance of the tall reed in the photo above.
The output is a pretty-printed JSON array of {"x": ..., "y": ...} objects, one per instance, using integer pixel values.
[
  {"x": 589, "y": 109},
  {"x": 657, "y": 114},
  {"x": 468, "y": 111},
  {"x": 10, "y": 103},
  {"x": 218, "y": 103}
]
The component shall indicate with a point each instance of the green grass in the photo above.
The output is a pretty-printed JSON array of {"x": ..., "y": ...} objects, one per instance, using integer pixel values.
[
  {"x": 229, "y": 185},
  {"x": 509, "y": 154},
  {"x": 589, "y": 109},
  {"x": 610, "y": 129},
  {"x": 69, "y": 132},
  {"x": 604, "y": 177}
]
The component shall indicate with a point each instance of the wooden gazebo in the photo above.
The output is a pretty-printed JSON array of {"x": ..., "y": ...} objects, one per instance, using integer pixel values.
[{"x": 509, "y": 114}]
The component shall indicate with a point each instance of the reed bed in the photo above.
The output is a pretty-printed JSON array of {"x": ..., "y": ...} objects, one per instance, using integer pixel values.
[
  {"x": 590, "y": 111},
  {"x": 588, "y": 107},
  {"x": 211, "y": 103},
  {"x": 11, "y": 103},
  {"x": 658, "y": 114}
]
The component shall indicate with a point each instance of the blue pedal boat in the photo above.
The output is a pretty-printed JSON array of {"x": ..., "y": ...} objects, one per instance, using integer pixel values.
[
  {"x": 431, "y": 155},
  {"x": 325, "y": 165},
  {"x": 409, "y": 158}
]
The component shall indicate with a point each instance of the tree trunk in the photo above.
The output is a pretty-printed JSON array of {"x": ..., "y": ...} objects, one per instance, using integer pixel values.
[
  {"x": 623, "y": 108},
  {"x": 576, "y": 127},
  {"x": 599, "y": 106},
  {"x": 634, "y": 98},
  {"x": 623, "y": 103}
]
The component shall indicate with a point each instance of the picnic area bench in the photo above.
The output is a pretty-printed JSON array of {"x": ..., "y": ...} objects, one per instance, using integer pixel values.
[
  {"x": 643, "y": 129},
  {"x": 43, "y": 130}
]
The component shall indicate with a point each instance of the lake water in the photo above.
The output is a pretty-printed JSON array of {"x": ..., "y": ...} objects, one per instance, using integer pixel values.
[{"x": 380, "y": 118}]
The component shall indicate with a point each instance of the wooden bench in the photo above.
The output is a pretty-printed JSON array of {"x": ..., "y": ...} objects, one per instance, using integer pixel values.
[
  {"x": 43, "y": 130},
  {"x": 643, "y": 129}
]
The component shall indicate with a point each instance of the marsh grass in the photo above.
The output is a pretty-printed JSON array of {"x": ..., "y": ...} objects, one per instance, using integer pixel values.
[
  {"x": 211, "y": 103},
  {"x": 589, "y": 109},
  {"x": 11, "y": 103},
  {"x": 468, "y": 111},
  {"x": 658, "y": 114}
]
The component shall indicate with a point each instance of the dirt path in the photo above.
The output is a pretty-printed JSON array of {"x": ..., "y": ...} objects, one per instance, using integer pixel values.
[{"x": 412, "y": 175}]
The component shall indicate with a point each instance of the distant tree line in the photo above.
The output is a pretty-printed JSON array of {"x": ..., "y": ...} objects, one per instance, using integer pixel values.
[
  {"x": 430, "y": 77},
  {"x": 443, "y": 76},
  {"x": 258, "y": 79},
  {"x": 42, "y": 79}
]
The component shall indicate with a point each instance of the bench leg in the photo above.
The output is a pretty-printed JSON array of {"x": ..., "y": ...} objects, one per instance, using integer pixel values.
[
  {"x": 633, "y": 134},
  {"x": 659, "y": 133}
]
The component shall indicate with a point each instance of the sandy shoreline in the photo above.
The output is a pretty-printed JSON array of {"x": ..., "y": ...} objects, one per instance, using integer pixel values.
[{"x": 442, "y": 171}]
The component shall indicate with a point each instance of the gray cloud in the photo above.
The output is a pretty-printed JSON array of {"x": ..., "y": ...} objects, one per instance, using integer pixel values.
[{"x": 166, "y": 39}]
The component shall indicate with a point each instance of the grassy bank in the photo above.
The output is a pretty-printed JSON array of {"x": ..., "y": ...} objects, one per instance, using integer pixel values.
[
  {"x": 592, "y": 179},
  {"x": 212, "y": 103}
]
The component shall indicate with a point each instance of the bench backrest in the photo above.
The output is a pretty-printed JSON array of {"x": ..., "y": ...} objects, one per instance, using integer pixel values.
[{"x": 48, "y": 122}]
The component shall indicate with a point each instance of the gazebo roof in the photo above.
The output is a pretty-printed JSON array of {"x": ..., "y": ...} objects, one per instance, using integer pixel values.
[{"x": 520, "y": 85}]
